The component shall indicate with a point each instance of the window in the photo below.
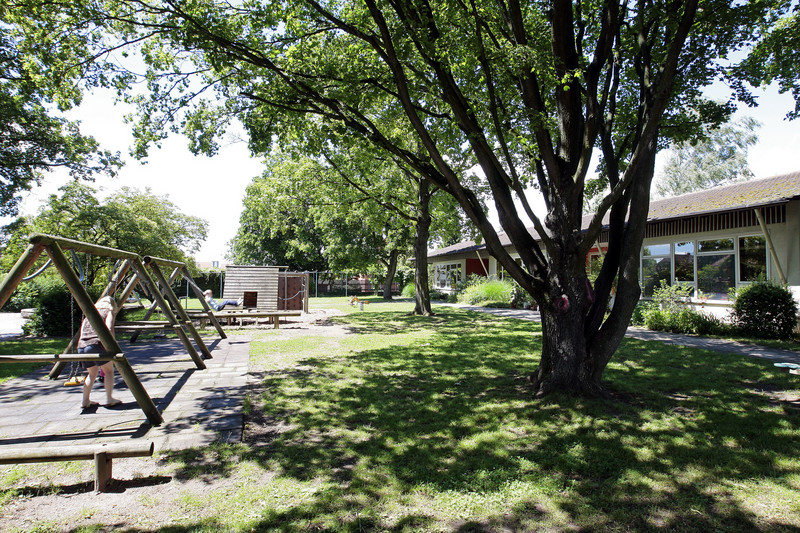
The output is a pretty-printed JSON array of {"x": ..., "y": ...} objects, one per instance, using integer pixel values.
[
  {"x": 752, "y": 258},
  {"x": 656, "y": 267},
  {"x": 501, "y": 272},
  {"x": 716, "y": 268},
  {"x": 448, "y": 276},
  {"x": 684, "y": 262}
]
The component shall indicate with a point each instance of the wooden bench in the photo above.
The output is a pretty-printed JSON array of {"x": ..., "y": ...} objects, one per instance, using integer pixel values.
[
  {"x": 103, "y": 454},
  {"x": 275, "y": 316},
  {"x": 790, "y": 368}
]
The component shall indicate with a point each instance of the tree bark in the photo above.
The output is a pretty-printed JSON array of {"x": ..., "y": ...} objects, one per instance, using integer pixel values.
[
  {"x": 391, "y": 270},
  {"x": 422, "y": 294}
]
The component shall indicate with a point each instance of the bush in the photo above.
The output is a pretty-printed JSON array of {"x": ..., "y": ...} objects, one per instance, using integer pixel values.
[
  {"x": 485, "y": 291},
  {"x": 52, "y": 316},
  {"x": 683, "y": 321},
  {"x": 640, "y": 312},
  {"x": 669, "y": 312},
  {"x": 25, "y": 296},
  {"x": 766, "y": 310},
  {"x": 410, "y": 291}
]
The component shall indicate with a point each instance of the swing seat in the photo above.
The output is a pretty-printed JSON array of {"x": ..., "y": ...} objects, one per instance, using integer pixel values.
[{"x": 74, "y": 381}]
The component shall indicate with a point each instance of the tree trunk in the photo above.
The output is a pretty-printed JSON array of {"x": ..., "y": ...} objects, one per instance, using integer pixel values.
[
  {"x": 567, "y": 364},
  {"x": 422, "y": 294},
  {"x": 391, "y": 270}
]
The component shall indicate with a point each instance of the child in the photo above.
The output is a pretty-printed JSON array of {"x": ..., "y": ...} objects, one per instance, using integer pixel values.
[
  {"x": 89, "y": 342},
  {"x": 215, "y": 305}
]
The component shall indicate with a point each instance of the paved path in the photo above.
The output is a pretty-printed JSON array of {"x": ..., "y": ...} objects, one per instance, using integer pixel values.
[
  {"x": 10, "y": 325},
  {"x": 198, "y": 406},
  {"x": 705, "y": 343}
]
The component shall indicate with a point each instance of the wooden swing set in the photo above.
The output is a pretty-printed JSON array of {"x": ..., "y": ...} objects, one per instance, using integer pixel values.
[{"x": 138, "y": 271}]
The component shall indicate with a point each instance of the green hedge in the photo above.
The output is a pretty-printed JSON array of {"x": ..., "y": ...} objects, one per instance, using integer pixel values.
[{"x": 764, "y": 309}]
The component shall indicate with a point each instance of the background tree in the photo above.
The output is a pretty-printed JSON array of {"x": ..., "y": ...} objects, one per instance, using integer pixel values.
[
  {"x": 774, "y": 59},
  {"x": 132, "y": 220},
  {"x": 525, "y": 91},
  {"x": 297, "y": 196},
  {"x": 33, "y": 139},
  {"x": 719, "y": 158}
]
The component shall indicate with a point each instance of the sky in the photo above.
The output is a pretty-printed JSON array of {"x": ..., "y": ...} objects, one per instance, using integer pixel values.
[{"x": 213, "y": 188}]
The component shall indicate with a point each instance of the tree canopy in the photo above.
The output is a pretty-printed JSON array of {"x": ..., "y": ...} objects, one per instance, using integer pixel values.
[
  {"x": 133, "y": 220},
  {"x": 520, "y": 94},
  {"x": 33, "y": 138},
  {"x": 717, "y": 159}
]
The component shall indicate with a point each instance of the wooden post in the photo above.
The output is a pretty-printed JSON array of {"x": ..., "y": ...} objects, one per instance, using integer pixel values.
[
  {"x": 187, "y": 322},
  {"x": 82, "y": 298},
  {"x": 106, "y": 337},
  {"x": 118, "y": 275},
  {"x": 102, "y": 471},
  {"x": 154, "y": 305},
  {"x": 145, "y": 277},
  {"x": 771, "y": 247},
  {"x": 18, "y": 271}
]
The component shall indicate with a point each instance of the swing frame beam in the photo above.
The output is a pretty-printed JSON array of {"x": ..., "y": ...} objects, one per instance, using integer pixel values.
[{"x": 54, "y": 247}]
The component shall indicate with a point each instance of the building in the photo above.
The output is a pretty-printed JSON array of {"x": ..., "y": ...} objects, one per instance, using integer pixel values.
[{"x": 714, "y": 241}]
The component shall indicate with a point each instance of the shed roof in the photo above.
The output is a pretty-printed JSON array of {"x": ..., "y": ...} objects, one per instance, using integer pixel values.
[{"x": 754, "y": 193}]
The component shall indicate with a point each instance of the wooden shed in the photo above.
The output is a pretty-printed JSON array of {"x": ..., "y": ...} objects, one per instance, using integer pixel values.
[{"x": 257, "y": 285}]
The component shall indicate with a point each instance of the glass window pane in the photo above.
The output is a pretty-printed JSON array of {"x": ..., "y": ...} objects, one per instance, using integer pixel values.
[
  {"x": 653, "y": 272},
  {"x": 656, "y": 249},
  {"x": 717, "y": 245},
  {"x": 715, "y": 275},
  {"x": 752, "y": 258},
  {"x": 684, "y": 261}
]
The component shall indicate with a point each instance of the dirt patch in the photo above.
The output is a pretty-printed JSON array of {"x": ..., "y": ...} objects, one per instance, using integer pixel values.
[{"x": 146, "y": 493}]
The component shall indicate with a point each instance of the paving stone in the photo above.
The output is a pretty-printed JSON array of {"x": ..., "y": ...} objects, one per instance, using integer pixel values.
[{"x": 198, "y": 406}]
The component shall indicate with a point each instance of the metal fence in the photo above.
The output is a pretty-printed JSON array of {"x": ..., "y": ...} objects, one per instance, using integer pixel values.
[{"x": 341, "y": 283}]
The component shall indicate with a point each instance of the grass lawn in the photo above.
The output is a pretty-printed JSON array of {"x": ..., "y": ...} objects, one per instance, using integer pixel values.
[
  {"x": 428, "y": 424},
  {"x": 27, "y": 346}
]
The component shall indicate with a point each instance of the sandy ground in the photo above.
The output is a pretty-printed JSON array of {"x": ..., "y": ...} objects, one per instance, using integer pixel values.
[{"x": 144, "y": 492}]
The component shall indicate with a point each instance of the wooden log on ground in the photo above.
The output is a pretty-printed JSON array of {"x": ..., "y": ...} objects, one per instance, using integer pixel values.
[{"x": 103, "y": 454}]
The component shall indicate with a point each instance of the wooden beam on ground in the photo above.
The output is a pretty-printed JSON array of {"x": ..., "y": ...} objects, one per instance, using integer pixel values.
[{"x": 103, "y": 454}]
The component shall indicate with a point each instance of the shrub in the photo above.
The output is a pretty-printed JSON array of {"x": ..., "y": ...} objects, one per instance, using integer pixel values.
[
  {"x": 683, "y": 321},
  {"x": 487, "y": 291},
  {"x": 24, "y": 296},
  {"x": 52, "y": 316},
  {"x": 764, "y": 309},
  {"x": 409, "y": 291},
  {"x": 640, "y": 312},
  {"x": 668, "y": 311}
]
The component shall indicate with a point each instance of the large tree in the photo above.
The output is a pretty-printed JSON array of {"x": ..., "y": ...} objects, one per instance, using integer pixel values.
[
  {"x": 133, "y": 220},
  {"x": 34, "y": 139},
  {"x": 774, "y": 59},
  {"x": 719, "y": 158},
  {"x": 527, "y": 92},
  {"x": 301, "y": 202}
]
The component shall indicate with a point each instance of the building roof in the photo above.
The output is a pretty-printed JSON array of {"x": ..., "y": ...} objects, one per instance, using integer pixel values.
[
  {"x": 754, "y": 193},
  {"x": 747, "y": 194}
]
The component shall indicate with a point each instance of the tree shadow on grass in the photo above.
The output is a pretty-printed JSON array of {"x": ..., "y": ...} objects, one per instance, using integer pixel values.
[{"x": 390, "y": 437}]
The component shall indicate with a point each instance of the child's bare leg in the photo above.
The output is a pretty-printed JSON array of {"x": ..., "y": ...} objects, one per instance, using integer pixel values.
[
  {"x": 88, "y": 383},
  {"x": 108, "y": 382}
]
